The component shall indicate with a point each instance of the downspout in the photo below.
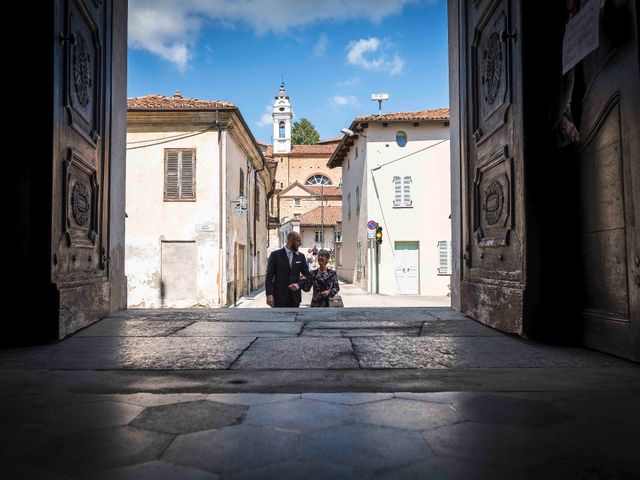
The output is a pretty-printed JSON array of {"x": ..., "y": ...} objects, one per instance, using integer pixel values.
[{"x": 222, "y": 234}]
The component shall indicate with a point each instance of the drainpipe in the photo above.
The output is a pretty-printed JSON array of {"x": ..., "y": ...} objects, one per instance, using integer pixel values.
[{"x": 222, "y": 233}]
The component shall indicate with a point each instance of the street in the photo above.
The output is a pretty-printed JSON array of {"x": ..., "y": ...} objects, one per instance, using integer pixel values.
[{"x": 354, "y": 297}]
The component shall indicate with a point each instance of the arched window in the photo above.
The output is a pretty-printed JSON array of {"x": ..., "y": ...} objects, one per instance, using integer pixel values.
[
  {"x": 401, "y": 138},
  {"x": 281, "y": 125},
  {"x": 318, "y": 180}
]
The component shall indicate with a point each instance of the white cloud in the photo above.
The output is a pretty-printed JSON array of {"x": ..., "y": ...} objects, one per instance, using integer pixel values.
[
  {"x": 170, "y": 28},
  {"x": 350, "y": 82},
  {"x": 266, "y": 118},
  {"x": 342, "y": 100},
  {"x": 321, "y": 45},
  {"x": 375, "y": 54}
]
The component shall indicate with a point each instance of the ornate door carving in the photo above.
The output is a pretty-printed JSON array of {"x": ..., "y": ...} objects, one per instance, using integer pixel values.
[
  {"x": 79, "y": 263},
  {"x": 493, "y": 275}
]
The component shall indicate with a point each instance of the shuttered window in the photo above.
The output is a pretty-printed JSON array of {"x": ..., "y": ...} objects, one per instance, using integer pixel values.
[
  {"x": 444, "y": 257},
  {"x": 402, "y": 192},
  {"x": 179, "y": 175}
]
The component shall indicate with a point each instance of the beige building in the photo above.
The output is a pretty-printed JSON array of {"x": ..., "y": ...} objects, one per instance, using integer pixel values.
[
  {"x": 396, "y": 172},
  {"x": 196, "y": 198},
  {"x": 301, "y": 177}
]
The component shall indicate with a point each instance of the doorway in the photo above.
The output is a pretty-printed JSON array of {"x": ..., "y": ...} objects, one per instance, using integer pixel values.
[{"x": 407, "y": 259}]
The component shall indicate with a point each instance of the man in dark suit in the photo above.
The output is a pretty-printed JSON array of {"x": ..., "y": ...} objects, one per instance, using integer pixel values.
[{"x": 283, "y": 280}]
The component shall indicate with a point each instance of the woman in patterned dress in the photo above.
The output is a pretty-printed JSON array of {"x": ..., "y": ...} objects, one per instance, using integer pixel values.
[{"x": 323, "y": 280}]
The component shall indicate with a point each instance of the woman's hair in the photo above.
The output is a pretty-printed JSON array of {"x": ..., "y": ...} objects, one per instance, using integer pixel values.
[{"x": 324, "y": 253}]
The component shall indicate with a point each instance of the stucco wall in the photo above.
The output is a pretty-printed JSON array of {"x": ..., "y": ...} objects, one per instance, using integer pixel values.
[
  {"x": 151, "y": 220},
  {"x": 426, "y": 222}
]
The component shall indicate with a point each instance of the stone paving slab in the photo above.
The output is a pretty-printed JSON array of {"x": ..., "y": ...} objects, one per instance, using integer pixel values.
[
  {"x": 311, "y": 331},
  {"x": 240, "y": 329},
  {"x": 298, "y": 353},
  {"x": 457, "y": 328},
  {"x": 232, "y": 448},
  {"x": 472, "y": 352},
  {"x": 364, "y": 447},
  {"x": 133, "y": 328},
  {"x": 251, "y": 315},
  {"x": 330, "y": 315},
  {"x": 453, "y": 435},
  {"x": 152, "y": 471},
  {"x": 129, "y": 353}
]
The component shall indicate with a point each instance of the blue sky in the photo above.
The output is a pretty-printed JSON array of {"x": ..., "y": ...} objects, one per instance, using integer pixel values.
[{"x": 333, "y": 54}]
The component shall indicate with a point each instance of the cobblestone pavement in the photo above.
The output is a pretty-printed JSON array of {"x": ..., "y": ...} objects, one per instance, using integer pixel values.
[{"x": 361, "y": 393}]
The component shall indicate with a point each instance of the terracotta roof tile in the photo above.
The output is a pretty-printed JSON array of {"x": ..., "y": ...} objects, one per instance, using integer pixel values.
[
  {"x": 328, "y": 190},
  {"x": 177, "y": 102},
  {"x": 435, "y": 114},
  {"x": 307, "y": 150},
  {"x": 330, "y": 216}
]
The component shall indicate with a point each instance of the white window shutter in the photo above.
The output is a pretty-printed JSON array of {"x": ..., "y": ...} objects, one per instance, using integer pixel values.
[
  {"x": 407, "y": 192},
  {"x": 397, "y": 189}
]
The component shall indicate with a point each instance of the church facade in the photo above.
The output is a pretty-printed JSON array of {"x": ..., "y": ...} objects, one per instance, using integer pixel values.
[{"x": 302, "y": 169}]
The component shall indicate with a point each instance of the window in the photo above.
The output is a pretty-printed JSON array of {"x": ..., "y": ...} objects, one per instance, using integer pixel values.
[
  {"x": 349, "y": 206},
  {"x": 402, "y": 192},
  {"x": 318, "y": 180},
  {"x": 281, "y": 127},
  {"x": 319, "y": 236},
  {"x": 401, "y": 138},
  {"x": 242, "y": 182},
  {"x": 179, "y": 175},
  {"x": 444, "y": 257},
  {"x": 296, "y": 202},
  {"x": 358, "y": 200}
]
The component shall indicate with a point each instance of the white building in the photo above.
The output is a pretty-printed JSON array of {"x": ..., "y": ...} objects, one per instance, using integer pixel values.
[
  {"x": 396, "y": 172},
  {"x": 190, "y": 239}
]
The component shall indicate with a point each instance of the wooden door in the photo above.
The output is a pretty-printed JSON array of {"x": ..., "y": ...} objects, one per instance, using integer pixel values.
[
  {"x": 608, "y": 118},
  {"x": 80, "y": 178},
  {"x": 407, "y": 256},
  {"x": 241, "y": 271},
  {"x": 493, "y": 250}
]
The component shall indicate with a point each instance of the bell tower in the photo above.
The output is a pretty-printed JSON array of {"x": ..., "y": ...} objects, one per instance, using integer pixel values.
[{"x": 282, "y": 115}]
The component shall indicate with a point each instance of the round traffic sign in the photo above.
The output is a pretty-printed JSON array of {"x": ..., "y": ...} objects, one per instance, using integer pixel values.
[{"x": 372, "y": 224}]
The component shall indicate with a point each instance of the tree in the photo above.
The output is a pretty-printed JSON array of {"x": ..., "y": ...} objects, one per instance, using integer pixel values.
[{"x": 304, "y": 133}]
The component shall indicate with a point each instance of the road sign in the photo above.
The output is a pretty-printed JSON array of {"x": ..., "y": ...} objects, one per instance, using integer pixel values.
[
  {"x": 372, "y": 224},
  {"x": 371, "y": 234}
]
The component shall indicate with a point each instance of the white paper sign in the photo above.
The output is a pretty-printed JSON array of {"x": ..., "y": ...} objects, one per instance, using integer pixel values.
[{"x": 581, "y": 35}]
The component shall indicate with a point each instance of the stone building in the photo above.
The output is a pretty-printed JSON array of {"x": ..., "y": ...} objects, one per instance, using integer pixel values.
[
  {"x": 197, "y": 189},
  {"x": 301, "y": 171}
]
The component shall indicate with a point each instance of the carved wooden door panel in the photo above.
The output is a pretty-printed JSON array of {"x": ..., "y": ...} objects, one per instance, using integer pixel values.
[
  {"x": 79, "y": 247},
  {"x": 609, "y": 176},
  {"x": 493, "y": 212}
]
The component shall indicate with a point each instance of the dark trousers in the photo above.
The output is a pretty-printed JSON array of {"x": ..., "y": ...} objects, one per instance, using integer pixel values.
[{"x": 286, "y": 302}]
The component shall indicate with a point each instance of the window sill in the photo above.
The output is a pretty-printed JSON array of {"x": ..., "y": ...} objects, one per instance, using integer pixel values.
[{"x": 403, "y": 206}]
